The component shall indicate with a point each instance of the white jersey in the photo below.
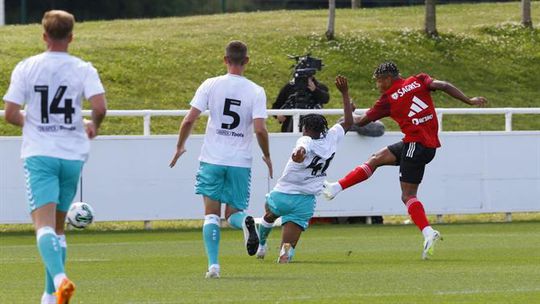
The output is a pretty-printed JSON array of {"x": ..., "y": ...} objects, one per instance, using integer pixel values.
[
  {"x": 233, "y": 101},
  {"x": 308, "y": 177},
  {"x": 52, "y": 86}
]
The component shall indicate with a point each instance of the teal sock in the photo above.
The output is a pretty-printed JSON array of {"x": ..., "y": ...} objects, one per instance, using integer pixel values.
[
  {"x": 291, "y": 253},
  {"x": 264, "y": 230},
  {"x": 49, "y": 283},
  {"x": 237, "y": 219},
  {"x": 63, "y": 246},
  {"x": 50, "y": 251},
  {"x": 211, "y": 236}
]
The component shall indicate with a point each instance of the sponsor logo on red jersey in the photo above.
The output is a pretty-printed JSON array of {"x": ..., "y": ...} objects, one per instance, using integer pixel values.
[
  {"x": 417, "y": 106},
  {"x": 401, "y": 91}
]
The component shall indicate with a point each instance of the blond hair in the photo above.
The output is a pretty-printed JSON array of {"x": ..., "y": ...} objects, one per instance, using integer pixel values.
[{"x": 58, "y": 24}]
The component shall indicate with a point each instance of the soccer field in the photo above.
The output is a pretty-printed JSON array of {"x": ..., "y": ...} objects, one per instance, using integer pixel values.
[{"x": 476, "y": 263}]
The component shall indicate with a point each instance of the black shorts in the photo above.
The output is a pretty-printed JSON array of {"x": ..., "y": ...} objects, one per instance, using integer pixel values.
[{"x": 411, "y": 159}]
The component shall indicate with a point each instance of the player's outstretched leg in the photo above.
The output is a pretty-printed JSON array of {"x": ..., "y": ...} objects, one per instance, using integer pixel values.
[
  {"x": 240, "y": 220},
  {"x": 211, "y": 237},
  {"x": 418, "y": 216},
  {"x": 359, "y": 174}
]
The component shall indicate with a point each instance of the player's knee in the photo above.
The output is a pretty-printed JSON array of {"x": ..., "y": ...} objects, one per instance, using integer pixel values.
[
  {"x": 375, "y": 160},
  {"x": 269, "y": 218},
  {"x": 405, "y": 197},
  {"x": 212, "y": 219}
]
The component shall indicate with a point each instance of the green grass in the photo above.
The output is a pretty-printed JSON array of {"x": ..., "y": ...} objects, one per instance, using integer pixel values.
[
  {"x": 478, "y": 263},
  {"x": 159, "y": 63},
  {"x": 194, "y": 224}
]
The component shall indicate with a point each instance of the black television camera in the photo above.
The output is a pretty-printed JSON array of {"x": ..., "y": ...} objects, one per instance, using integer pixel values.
[{"x": 305, "y": 67}]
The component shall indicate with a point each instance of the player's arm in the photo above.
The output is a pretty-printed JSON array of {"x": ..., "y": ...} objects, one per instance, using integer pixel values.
[
  {"x": 185, "y": 130},
  {"x": 98, "y": 104},
  {"x": 343, "y": 87},
  {"x": 361, "y": 120},
  {"x": 380, "y": 109},
  {"x": 259, "y": 125},
  {"x": 299, "y": 152},
  {"x": 15, "y": 97},
  {"x": 453, "y": 91},
  {"x": 14, "y": 115}
]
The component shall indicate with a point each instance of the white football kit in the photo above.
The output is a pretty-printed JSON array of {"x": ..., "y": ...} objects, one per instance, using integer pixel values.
[
  {"x": 234, "y": 102},
  {"x": 52, "y": 86},
  {"x": 308, "y": 177}
]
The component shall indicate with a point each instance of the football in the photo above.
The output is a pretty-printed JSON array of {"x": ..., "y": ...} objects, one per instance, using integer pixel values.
[{"x": 80, "y": 215}]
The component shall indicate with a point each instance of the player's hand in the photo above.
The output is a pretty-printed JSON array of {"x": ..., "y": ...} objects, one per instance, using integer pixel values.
[
  {"x": 281, "y": 118},
  {"x": 356, "y": 119},
  {"x": 311, "y": 85},
  {"x": 299, "y": 155},
  {"x": 90, "y": 128},
  {"x": 342, "y": 84},
  {"x": 179, "y": 152},
  {"x": 478, "y": 101},
  {"x": 353, "y": 106},
  {"x": 268, "y": 162}
]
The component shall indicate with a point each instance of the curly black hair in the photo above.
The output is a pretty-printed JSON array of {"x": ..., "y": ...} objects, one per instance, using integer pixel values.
[
  {"x": 315, "y": 123},
  {"x": 387, "y": 68}
]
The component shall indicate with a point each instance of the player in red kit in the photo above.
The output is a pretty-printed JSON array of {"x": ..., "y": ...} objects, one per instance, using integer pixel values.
[{"x": 408, "y": 102}]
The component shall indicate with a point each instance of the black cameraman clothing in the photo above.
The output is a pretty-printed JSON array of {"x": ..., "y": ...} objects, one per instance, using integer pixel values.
[{"x": 318, "y": 97}]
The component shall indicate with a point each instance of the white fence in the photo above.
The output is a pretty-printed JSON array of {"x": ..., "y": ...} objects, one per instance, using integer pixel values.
[
  {"x": 127, "y": 177},
  {"x": 2, "y": 13},
  {"x": 148, "y": 114},
  {"x": 441, "y": 112}
]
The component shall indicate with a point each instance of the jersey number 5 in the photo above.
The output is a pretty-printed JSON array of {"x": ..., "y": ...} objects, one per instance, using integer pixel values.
[
  {"x": 67, "y": 110},
  {"x": 228, "y": 112}
]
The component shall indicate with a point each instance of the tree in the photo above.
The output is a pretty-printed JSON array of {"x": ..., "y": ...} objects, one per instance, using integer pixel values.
[
  {"x": 331, "y": 19},
  {"x": 356, "y": 4},
  {"x": 430, "y": 24},
  {"x": 526, "y": 13}
]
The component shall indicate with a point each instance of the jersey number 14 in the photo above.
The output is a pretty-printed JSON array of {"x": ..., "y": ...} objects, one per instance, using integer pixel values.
[{"x": 55, "y": 108}]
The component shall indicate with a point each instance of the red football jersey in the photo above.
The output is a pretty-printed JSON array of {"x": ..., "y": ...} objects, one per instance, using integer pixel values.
[{"x": 409, "y": 103}]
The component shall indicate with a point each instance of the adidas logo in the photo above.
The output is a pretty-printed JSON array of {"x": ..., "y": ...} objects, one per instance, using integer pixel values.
[{"x": 417, "y": 106}]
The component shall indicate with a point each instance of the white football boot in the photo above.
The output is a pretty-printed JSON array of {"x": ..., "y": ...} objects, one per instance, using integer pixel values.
[
  {"x": 213, "y": 272},
  {"x": 429, "y": 244},
  {"x": 330, "y": 190},
  {"x": 261, "y": 252},
  {"x": 285, "y": 254}
]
